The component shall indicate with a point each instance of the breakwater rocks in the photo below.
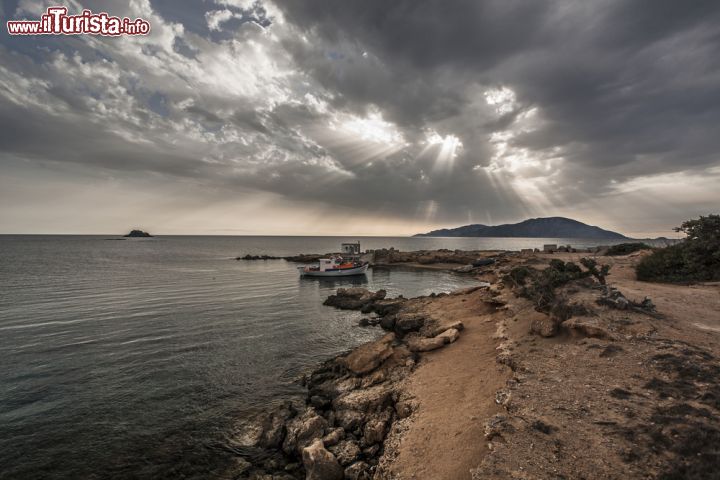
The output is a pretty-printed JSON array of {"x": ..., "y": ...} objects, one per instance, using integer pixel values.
[
  {"x": 468, "y": 259},
  {"x": 351, "y": 401},
  {"x": 302, "y": 258},
  {"x": 387, "y": 256}
]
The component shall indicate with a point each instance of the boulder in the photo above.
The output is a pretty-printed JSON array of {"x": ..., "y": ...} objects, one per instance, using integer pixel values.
[
  {"x": 588, "y": 328},
  {"x": 388, "y": 307},
  {"x": 334, "y": 437},
  {"x": 249, "y": 433},
  {"x": 408, "y": 322},
  {"x": 368, "y": 357},
  {"x": 449, "y": 335},
  {"x": 319, "y": 401},
  {"x": 321, "y": 464},
  {"x": 543, "y": 325},
  {"x": 435, "y": 330},
  {"x": 366, "y": 401},
  {"x": 388, "y": 322},
  {"x": 331, "y": 388},
  {"x": 350, "y": 420},
  {"x": 375, "y": 430},
  {"x": 303, "y": 430},
  {"x": 274, "y": 429},
  {"x": 346, "y": 452},
  {"x": 419, "y": 344},
  {"x": 405, "y": 408},
  {"x": 353, "y": 298}
]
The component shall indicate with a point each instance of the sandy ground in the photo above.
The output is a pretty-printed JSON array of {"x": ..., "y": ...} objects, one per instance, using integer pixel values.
[
  {"x": 617, "y": 394},
  {"x": 455, "y": 389}
]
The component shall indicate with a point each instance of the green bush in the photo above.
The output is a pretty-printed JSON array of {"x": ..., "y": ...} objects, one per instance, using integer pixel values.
[
  {"x": 626, "y": 248},
  {"x": 697, "y": 258}
]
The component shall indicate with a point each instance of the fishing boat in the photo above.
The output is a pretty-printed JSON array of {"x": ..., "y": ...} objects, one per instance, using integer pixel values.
[{"x": 334, "y": 267}]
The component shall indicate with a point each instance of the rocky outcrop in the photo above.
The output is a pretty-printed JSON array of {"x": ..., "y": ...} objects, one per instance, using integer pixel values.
[
  {"x": 320, "y": 464},
  {"x": 301, "y": 431},
  {"x": 408, "y": 322},
  {"x": 368, "y": 357},
  {"x": 388, "y": 256},
  {"x": 353, "y": 298},
  {"x": 138, "y": 234},
  {"x": 339, "y": 433},
  {"x": 352, "y": 401},
  {"x": 302, "y": 258},
  {"x": 258, "y": 257},
  {"x": 421, "y": 344}
]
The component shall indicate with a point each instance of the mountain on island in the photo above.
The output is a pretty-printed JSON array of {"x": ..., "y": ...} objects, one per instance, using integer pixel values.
[
  {"x": 550, "y": 227},
  {"x": 138, "y": 233}
]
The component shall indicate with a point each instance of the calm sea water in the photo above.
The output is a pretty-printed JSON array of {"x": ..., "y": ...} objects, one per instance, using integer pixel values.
[{"x": 134, "y": 358}]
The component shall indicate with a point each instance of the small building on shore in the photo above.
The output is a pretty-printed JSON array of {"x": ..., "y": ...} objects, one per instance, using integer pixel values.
[{"x": 350, "y": 248}]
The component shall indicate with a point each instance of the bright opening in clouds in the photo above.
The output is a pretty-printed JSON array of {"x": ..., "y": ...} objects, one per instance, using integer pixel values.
[{"x": 261, "y": 117}]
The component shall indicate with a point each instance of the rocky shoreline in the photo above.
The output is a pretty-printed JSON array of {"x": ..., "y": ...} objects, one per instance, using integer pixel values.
[
  {"x": 352, "y": 401},
  {"x": 570, "y": 369}
]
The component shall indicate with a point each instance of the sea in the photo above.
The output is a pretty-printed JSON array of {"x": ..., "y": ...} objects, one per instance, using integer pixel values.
[{"x": 139, "y": 357}]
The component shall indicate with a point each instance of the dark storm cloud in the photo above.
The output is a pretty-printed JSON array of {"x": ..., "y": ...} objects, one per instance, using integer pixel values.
[
  {"x": 614, "y": 80},
  {"x": 572, "y": 98}
]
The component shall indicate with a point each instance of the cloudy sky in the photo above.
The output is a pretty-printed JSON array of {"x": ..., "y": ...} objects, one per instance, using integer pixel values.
[{"x": 362, "y": 117}]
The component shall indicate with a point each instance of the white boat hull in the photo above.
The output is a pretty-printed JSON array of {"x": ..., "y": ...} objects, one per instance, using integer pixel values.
[{"x": 345, "y": 272}]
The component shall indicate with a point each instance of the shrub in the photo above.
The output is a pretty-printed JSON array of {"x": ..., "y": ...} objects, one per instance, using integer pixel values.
[
  {"x": 539, "y": 285},
  {"x": 697, "y": 258},
  {"x": 626, "y": 248},
  {"x": 598, "y": 273}
]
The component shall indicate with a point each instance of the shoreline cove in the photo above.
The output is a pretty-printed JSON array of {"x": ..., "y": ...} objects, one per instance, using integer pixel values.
[{"x": 465, "y": 385}]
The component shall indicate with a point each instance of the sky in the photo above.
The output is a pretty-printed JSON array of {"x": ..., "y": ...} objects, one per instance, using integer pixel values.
[{"x": 368, "y": 117}]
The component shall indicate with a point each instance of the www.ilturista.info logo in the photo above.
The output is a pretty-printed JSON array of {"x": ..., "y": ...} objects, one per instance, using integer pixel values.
[{"x": 56, "y": 21}]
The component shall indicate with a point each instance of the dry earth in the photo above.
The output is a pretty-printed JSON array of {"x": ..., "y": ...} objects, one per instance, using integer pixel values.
[{"x": 616, "y": 394}]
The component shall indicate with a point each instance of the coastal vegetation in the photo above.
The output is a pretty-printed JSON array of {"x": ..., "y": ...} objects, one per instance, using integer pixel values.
[
  {"x": 626, "y": 248},
  {"x": 539, "y": 285},
  {"x": 697, "y": 258}
]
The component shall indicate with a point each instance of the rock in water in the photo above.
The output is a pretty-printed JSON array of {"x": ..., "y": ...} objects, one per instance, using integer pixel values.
[
  {"x": 138, "y": 233},
  {"x": 353, "y": 298},
  {"x": 368, "y": 357},
  {"x": 301, "y": 431},
  {"x": 321, "y": 464}
]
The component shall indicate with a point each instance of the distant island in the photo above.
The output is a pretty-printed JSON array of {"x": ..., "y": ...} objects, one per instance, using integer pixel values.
[
  {"x": 550, "y": 227},
  {"x": 138, "y": 233}
]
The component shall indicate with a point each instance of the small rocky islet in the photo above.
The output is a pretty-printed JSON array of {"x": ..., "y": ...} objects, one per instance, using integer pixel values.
[{"x": 138, "y": 234}]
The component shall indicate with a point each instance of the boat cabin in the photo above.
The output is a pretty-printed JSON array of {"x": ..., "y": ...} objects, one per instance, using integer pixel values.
[{"x": 327, "y": 264}]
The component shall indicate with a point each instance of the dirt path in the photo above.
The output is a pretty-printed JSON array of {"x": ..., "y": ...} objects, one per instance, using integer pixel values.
[{"x": 455, "y": 389}]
